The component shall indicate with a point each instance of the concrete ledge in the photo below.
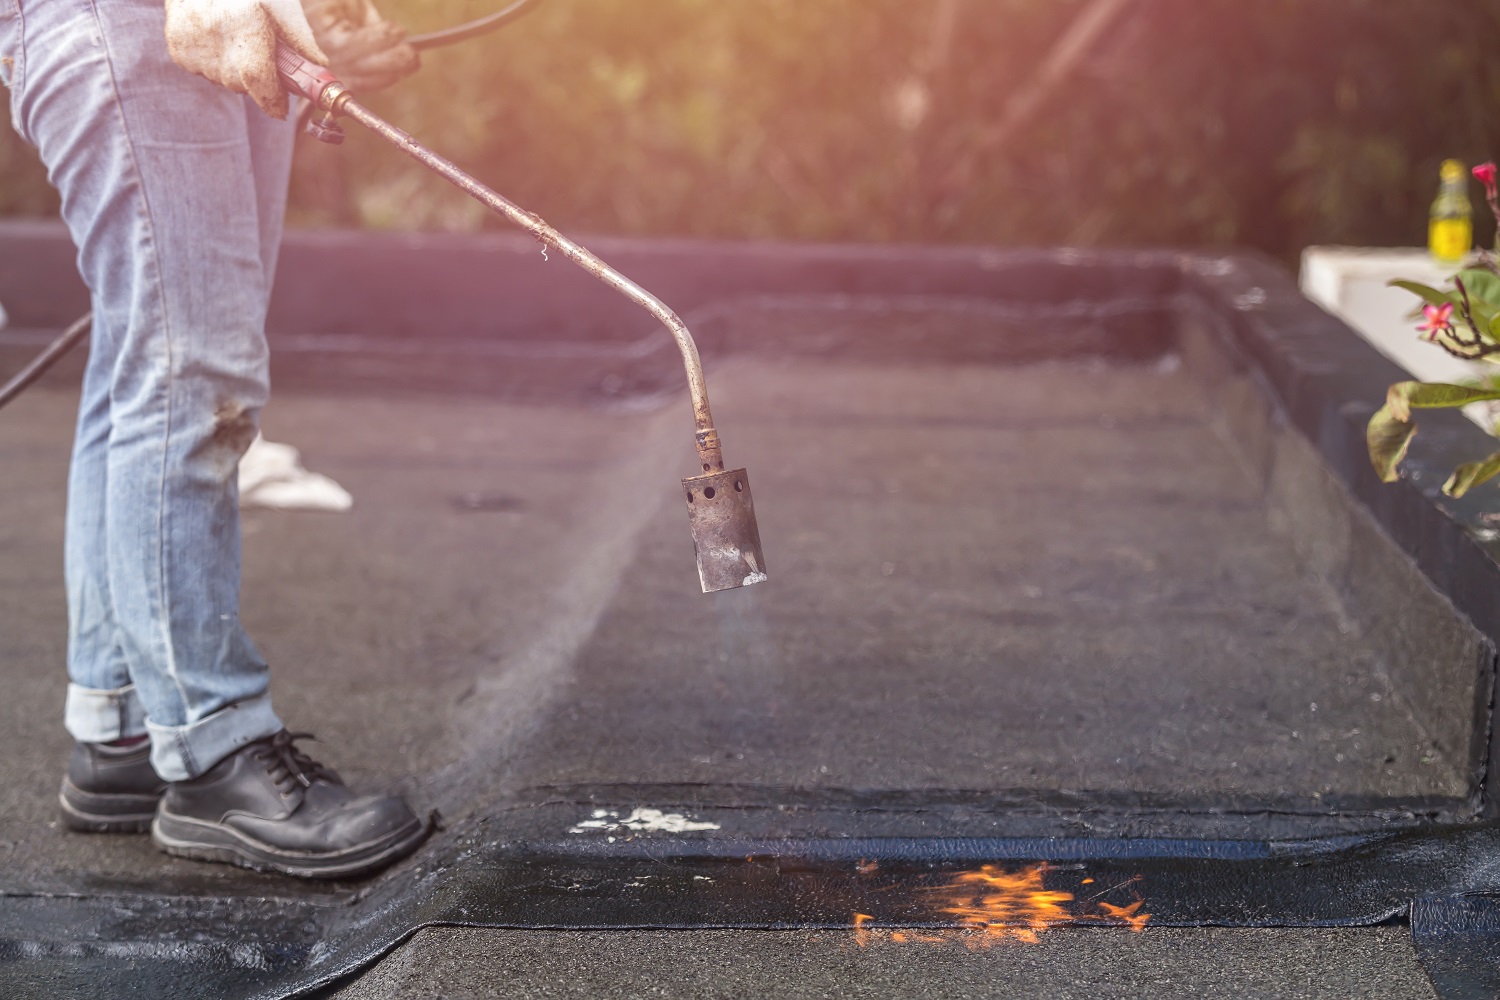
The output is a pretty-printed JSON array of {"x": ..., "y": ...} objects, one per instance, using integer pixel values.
[
  {"x": 1329, "y": 382},
  {"x": 1435, "y": 660},
  {"x": 498, "y": 286}
]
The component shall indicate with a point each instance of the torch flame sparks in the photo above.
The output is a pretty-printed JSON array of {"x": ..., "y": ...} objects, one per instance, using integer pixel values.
[
  {"x": 992, "y": 905},
  {"x": 1130, "y": 915},
  {"x": 861, "y": 935}
]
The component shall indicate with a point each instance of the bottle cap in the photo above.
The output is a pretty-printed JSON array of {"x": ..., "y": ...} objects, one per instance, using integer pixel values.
[{"x": 1452, "y": 170}]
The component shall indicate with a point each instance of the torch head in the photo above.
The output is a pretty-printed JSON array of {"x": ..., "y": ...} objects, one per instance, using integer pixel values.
[{"x": 726, "y": 539}]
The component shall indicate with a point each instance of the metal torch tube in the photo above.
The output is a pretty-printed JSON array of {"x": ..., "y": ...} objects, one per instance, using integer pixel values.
[{"x": 338, "y": 100}]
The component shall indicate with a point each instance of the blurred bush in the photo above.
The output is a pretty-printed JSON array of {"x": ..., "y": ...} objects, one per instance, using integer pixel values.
[{"x": 1272, "y": 124}]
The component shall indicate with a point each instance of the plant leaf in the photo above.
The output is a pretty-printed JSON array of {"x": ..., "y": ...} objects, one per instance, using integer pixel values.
[
  {"x": 1403, "y": 397},
  {"x": 1481, "y": 309},
  {"x": 1429, "y": 294},
  {"x": 1471, "y": 474},
  {"x": 1389, "y": 433},
  {"x": 1483, "y": 287},
  {"x": 1484, "y": 318},
  {"x": 1388, "y": 438}
]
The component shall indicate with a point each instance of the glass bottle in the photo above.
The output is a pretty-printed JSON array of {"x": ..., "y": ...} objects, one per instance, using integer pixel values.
[{"x": 1450, "y": 228}]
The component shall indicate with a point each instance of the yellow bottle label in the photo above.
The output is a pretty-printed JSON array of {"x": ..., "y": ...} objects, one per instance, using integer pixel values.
[{"x": 1450, "y": 239}]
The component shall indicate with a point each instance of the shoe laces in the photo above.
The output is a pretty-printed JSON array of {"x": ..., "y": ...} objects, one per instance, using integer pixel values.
[{"x": 289, "y": 765}]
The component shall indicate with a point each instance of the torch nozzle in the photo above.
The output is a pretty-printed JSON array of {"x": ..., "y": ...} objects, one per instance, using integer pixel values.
[{"x": 726, "y": 537}]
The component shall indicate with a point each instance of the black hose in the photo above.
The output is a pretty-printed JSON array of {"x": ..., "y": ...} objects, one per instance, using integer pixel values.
[
  {"x": 473, "y": 29},
  {"x": 432, "y": 40},
  {"x": 450, "y": 36},
  {"x": 49, "y": 357}
]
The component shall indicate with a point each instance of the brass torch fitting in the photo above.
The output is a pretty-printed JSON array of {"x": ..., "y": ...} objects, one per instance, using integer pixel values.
[
  {"x": 334, "y": 97},
  {"x": 709, "y": 453}
]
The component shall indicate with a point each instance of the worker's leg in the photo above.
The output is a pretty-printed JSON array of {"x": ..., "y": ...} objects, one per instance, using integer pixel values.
[
  {"x": 102, "y": 703},
  {"x": 167, "y": 205}
]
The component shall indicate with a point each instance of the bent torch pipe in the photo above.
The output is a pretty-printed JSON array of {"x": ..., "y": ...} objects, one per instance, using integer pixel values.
[{"x": 721, "y": 514}]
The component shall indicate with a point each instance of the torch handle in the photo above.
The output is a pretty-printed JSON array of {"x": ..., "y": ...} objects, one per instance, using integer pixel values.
[{"x": 302, "y": 76}]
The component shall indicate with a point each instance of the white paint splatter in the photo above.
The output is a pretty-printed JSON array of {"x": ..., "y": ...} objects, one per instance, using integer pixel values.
[{"x": 642, "y": 821}]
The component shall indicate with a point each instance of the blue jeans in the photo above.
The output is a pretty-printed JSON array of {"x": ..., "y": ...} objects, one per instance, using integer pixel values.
[{"x": 173, "y": 190}]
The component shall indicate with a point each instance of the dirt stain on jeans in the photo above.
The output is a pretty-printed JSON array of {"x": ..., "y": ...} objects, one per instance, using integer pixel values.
[{"x": 234, "y": 427}]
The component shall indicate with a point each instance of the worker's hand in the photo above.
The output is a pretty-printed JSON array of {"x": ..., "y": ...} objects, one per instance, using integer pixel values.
[
  {"x": 233, "y": 43},
  {"x": 368, "y": 52}
]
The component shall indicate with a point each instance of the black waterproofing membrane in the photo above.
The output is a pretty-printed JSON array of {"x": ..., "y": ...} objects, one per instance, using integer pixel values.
[
  {"x": 90, "y": 943},
  {"x": 1242, "y": 861}
]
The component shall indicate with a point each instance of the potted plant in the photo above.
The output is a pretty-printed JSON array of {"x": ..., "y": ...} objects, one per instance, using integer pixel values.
[{"x": 1465, "y": 322}]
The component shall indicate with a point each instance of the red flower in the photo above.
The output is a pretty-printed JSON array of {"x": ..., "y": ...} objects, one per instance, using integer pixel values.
[
  {"x": 1438, "y": 321},
  {"x": 1485, "y": 173}
]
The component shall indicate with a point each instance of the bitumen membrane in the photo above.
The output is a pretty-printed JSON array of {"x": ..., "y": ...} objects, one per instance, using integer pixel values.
[
  {"x": 1050, "y": 612},
  {"x": 1034, "y": 578}
]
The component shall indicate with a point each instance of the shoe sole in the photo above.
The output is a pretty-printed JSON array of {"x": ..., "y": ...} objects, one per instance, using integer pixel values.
[
  {"x": 185, "y": 837},
  {"x": 93, "y": 812}
]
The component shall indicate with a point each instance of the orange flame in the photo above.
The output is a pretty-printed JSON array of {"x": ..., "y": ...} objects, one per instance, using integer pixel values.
[
  {"x": 1128, "y": 915},
  {"x": 993, "y": 905},
  {"x": 861, "y": 936},
  {"x": 1006, "y": 904}
]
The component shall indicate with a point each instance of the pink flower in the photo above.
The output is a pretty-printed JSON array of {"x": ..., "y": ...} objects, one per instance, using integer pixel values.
[
  {"x": 1485, "y": 173},
  {"x": 1438, "y": 321}
]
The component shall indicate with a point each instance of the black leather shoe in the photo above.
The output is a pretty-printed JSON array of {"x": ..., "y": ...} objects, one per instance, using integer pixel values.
[
  {"x": 271, "y": 807},
  {"x": 110, "y": 789}
]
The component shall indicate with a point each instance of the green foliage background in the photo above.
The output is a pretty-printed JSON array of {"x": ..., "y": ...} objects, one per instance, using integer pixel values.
[{"x": 1272, "y": 123}]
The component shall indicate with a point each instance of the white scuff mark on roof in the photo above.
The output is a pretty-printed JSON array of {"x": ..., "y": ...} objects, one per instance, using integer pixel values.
[
  {"x": 642, "y": 820},
  {"x": 754, "y": 578}
]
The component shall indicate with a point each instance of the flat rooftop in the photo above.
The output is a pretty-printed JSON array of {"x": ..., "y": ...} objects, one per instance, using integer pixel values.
[{"x": 1085, "y": 596}]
